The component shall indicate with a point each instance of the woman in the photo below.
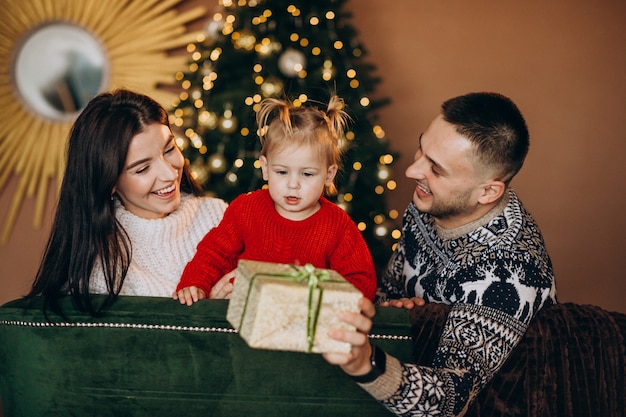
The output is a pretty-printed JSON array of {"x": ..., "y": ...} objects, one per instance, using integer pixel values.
[{"x": 129, "y": 214}]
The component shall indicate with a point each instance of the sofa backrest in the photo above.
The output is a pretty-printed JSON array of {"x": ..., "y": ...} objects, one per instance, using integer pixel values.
[{"x": 155, "y": 357}]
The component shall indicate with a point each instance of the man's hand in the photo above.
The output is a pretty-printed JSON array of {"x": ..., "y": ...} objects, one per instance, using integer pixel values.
[
  {"x": 357, "y": 361},
  {"x": 407, "y": 303}
]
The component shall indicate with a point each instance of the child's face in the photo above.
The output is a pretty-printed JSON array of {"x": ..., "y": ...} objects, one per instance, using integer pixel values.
[{"x": 296, "y": 177}]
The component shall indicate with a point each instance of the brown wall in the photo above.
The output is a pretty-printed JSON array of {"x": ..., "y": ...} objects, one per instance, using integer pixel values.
[{"x": 563, "y": 62}]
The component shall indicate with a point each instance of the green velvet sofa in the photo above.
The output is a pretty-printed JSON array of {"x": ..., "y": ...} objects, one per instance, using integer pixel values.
[{"x": 154, "y": 357}]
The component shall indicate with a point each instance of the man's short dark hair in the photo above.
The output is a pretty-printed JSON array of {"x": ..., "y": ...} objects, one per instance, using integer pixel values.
[{"x": 496, "y": 127}]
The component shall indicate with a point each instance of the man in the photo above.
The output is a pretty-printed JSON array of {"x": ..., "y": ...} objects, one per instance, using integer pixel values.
[{"x": 468, "y": 242}]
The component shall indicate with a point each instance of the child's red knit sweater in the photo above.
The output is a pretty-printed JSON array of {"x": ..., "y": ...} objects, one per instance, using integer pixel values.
[{"x": 252, "y": 229}]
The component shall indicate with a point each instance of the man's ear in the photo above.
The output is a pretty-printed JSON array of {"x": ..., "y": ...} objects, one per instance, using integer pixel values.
[
  {"x": 492, "y": 191},
  {"x": 330, "y": 174},
  {"x": 264, "y": 167}
]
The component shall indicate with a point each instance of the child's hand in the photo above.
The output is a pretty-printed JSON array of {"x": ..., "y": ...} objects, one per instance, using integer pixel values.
[{"x": 189, "y": 295}]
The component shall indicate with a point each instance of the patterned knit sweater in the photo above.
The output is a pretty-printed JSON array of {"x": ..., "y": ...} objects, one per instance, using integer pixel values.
[
  {"x": 496, "y": 274},
  {"x": 252, "y": 229},
  {"x": 162, "y": 247}
]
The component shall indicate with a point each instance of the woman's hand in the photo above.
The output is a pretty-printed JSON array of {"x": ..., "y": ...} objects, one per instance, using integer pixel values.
[
  {"x": 189, "y": 295},
  {"x": 357, "y": 361},
  {"x": 224, "y": 287}
]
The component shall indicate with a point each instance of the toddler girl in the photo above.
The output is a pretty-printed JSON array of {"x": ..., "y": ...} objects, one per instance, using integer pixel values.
[{"x": 289, "y": 221}]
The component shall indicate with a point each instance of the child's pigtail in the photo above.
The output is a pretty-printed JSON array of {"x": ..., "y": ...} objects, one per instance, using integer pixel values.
[
  {"x": 336, "y": 117},
  {"x": 264, "y": 116}
]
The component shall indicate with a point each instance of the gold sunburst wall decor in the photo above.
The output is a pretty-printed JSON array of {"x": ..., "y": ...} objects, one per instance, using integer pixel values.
[{"x": 119, "y": 43}]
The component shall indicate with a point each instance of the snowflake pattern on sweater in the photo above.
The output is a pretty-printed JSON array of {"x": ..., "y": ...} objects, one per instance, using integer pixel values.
[
  {"x": 162, "y": 247},
  {"x": 496, "y": 273}
]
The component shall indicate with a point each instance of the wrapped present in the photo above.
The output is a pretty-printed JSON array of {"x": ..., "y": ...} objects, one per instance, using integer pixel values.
[{"x": 288, "y": 307}]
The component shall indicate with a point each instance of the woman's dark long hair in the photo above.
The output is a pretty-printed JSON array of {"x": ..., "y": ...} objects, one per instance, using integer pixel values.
[{"x": 85, "y": 230}]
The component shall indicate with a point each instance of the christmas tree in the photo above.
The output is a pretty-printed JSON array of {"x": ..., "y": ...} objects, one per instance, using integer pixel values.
[{"x": 301, "y": 50}]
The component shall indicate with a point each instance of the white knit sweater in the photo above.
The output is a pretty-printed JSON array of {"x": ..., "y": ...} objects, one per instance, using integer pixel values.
[{"x": 162, "y": 247}]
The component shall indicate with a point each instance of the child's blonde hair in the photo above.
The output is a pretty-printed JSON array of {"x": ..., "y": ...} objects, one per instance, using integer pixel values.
[{"x": 282, "y": 124}]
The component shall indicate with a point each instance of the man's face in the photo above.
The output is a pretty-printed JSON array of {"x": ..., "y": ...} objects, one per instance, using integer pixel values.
[{"x": 448, "y": 186}]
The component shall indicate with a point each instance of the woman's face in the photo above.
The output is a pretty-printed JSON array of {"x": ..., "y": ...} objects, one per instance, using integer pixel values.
[{"x": 149, "y": 185}]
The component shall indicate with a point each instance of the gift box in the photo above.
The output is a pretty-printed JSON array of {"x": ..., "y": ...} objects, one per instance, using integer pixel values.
[{"x": 287, "y": 307}]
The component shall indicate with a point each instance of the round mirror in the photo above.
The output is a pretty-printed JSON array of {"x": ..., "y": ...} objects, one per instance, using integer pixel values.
[
  {"x": 58, "y": 69},
  {"x": 55, "y": 58}
]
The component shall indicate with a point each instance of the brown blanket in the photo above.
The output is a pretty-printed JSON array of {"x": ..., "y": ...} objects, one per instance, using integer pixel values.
[{"x": 571, "y": 362}]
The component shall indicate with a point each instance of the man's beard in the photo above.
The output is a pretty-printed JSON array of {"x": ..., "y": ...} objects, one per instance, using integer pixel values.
[{"x": 457, "y": 205}]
